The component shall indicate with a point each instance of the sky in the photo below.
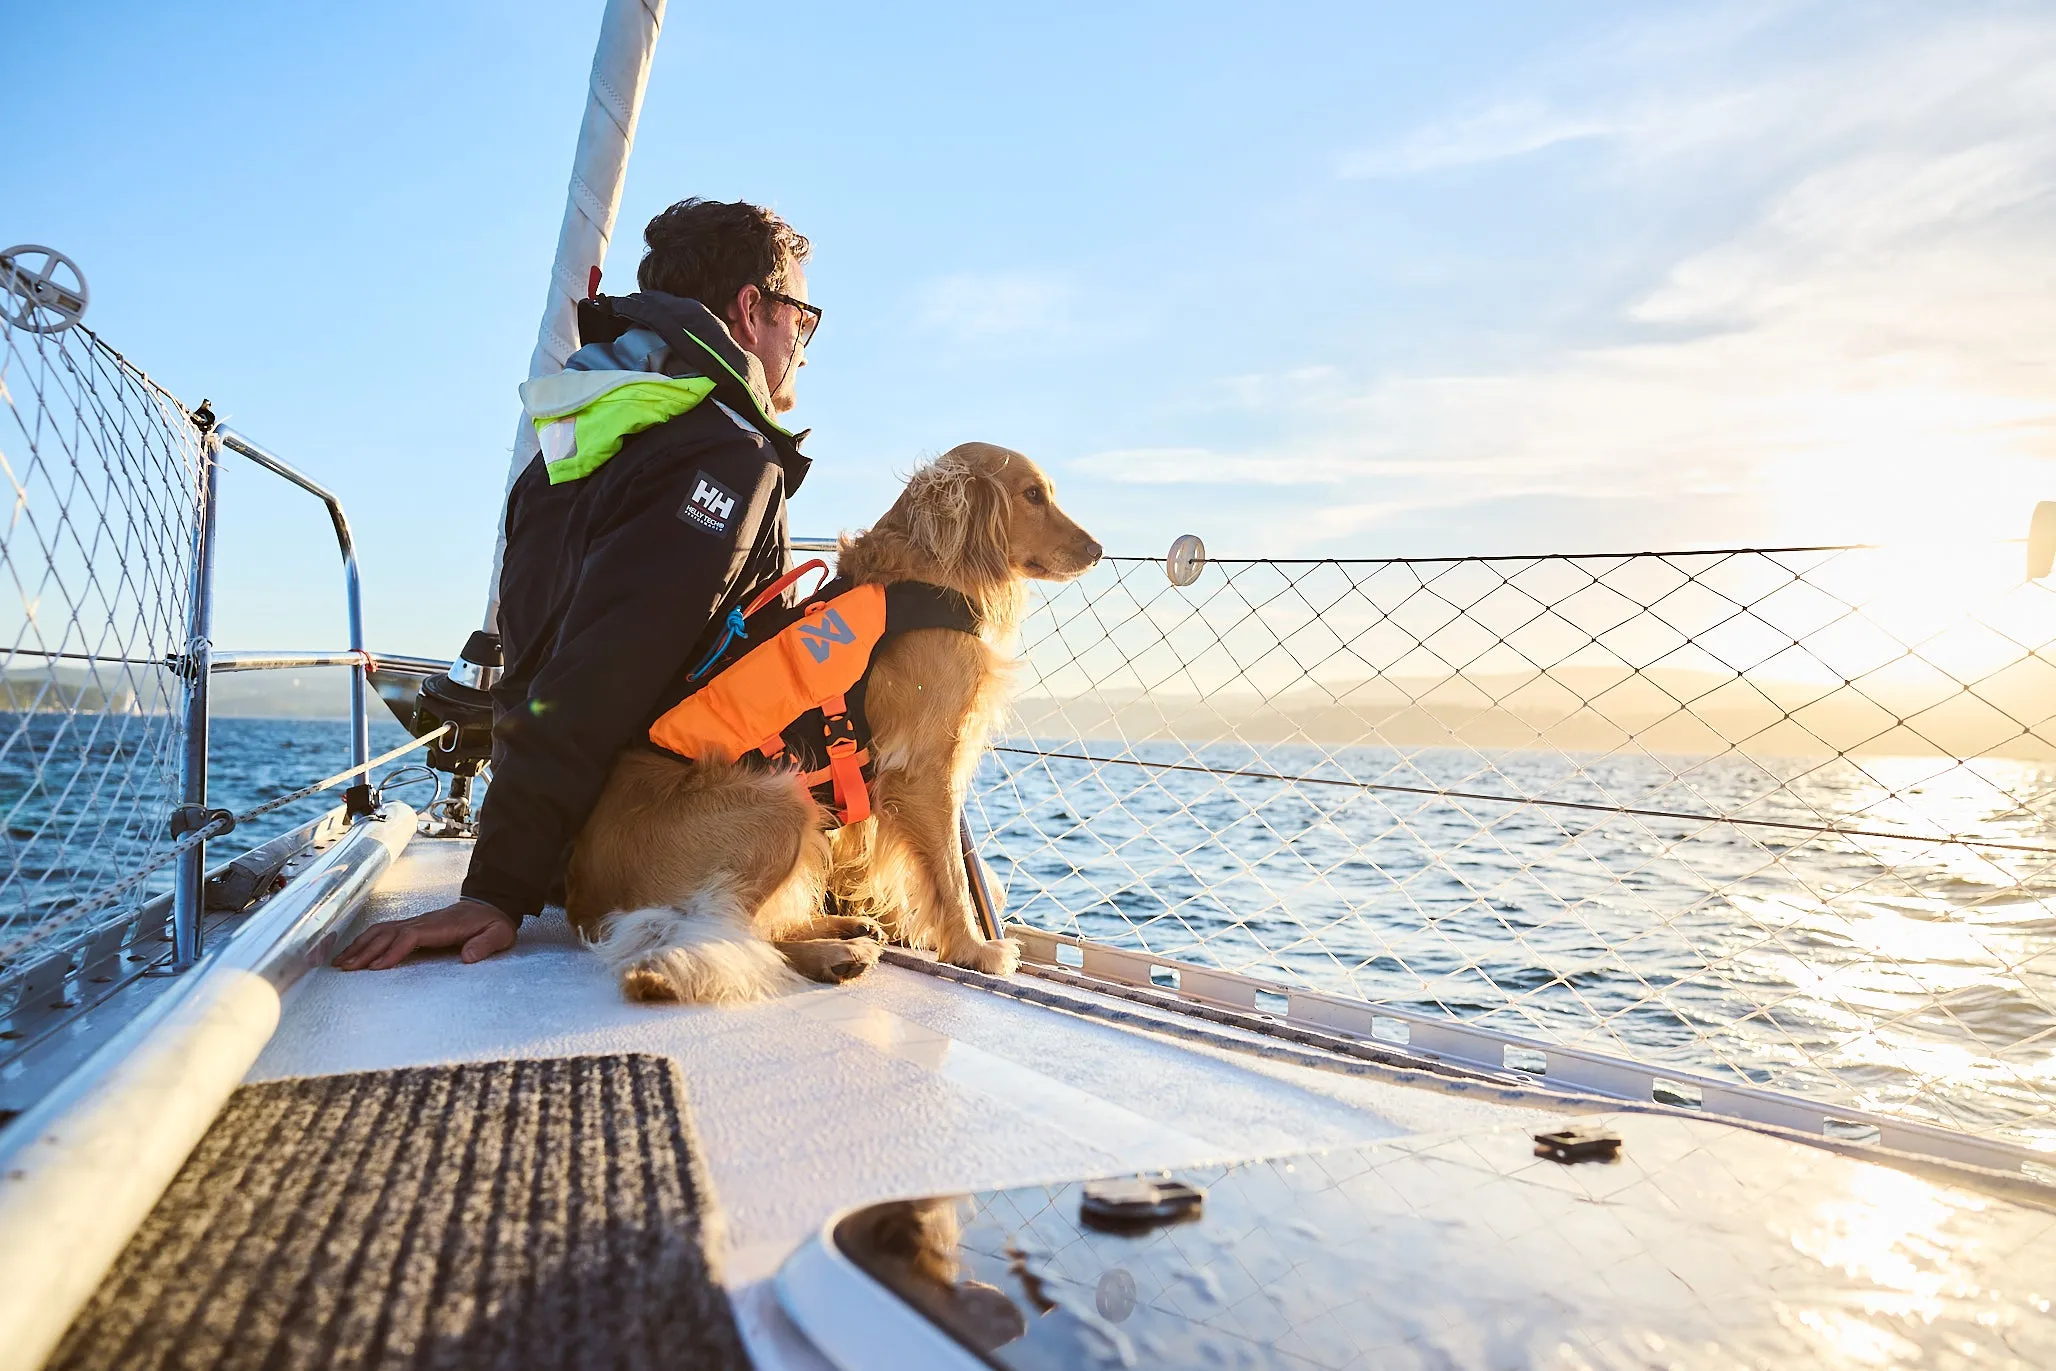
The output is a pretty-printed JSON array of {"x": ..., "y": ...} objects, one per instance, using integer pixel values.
[{"x": 1337, "y": 280}]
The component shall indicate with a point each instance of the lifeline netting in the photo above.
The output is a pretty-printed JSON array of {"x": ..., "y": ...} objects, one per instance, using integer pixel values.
[
  {"x": 1783, "y": 814},
  {"x": 102, "y": 472}
]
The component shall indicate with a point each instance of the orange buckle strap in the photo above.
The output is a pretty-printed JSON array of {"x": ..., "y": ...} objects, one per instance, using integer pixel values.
[
  {"x": 810, "y": 779},
  {"x": 845, "y": 763},
  {"x": 852, "y": 796}
]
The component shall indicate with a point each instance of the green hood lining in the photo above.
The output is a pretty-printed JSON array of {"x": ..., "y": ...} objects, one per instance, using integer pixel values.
[
  {"x": 756, "y": 408},
  {"x": 602, "y": 424}
]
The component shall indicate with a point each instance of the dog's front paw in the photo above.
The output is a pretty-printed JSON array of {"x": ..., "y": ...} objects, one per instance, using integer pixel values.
[
  {"x": 853, "y": 926},
  {"x": 832, "y": 960},
  {"x": 995, "y": 957},
  {"x": 859, "y": 956},
  {"x": 647, "y": 985}
]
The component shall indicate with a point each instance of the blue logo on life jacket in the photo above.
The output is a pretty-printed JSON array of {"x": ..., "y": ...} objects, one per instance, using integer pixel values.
[{"x": 820, "y": 638}]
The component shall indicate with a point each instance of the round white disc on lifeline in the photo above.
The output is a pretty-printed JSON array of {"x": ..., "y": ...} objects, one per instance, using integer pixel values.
[
  {"x": 46, "y": 291},
  {"x": 1186, "y": 560},
  {"x": 2041, "y": 541}
]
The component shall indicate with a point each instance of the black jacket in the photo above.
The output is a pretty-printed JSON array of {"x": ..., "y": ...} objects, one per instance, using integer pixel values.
[{"x": 614, "y": 584}]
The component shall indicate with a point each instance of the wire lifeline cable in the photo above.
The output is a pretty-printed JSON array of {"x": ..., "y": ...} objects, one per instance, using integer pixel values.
[
  {"x": 1530, "y": 556},
  {"x": 166, "y": 662},
  {"x": 1431, "y": 792},
  {"x": 72, "y": 914},
  {"x": 1559, "y": 556}
]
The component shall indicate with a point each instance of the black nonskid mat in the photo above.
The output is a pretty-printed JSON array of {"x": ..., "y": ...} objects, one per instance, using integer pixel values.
[{"x": 506, "y": 1215}]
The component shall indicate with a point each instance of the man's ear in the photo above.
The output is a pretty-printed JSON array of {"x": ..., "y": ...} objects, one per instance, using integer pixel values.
[{"x": 741, "y": 317}]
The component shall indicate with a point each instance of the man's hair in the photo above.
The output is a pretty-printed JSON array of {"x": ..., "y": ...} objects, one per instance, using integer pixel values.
[{"x": 707, "y": 250}]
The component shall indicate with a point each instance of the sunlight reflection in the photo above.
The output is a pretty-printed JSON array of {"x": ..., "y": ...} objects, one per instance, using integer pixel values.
[
  {"x": 1888, "y": 1229},
  {"x": 1858, "y": 1341}
]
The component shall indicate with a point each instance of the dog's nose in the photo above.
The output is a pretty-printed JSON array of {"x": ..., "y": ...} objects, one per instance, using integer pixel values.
[{"x": 1093, "y": 552}]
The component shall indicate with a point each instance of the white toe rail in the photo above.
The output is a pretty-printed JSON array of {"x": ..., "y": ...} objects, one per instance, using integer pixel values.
[{"x": 1543, "y": 1063}]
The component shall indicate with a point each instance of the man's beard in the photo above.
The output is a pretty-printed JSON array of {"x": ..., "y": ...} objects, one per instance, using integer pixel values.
[{"x": 782, "y": 393}]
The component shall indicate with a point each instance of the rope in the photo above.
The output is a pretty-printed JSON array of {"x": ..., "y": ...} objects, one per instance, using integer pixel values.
[
  {"x": 736, "y": 625},
  {"x": 304, "y": 791},
  {"x": 111, "y": 896},
  {"x": 1786, "y": 825},
  {"x": 733, "y": 627}
]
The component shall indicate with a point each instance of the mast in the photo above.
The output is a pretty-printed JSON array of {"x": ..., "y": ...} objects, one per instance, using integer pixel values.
[
  {"x": 460, "y": 698},
  {"x": 621, "y": 70}
]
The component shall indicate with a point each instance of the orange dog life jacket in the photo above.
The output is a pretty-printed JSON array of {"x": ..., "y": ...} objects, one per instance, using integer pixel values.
[{"x": 793, "y": 689}]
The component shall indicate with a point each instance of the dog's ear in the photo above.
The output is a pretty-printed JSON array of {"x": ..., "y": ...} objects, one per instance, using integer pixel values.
[
  {"x": 932, "y": 511},
  {"x": 956, "y": 515},
  {"x": 987, "y": 548}
]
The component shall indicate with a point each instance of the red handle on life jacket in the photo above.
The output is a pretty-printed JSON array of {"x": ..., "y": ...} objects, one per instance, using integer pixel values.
[{"x": 777, "y": 587}]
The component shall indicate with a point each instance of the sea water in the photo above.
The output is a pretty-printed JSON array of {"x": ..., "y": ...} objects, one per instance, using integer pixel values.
[
  {"x": 1907, "y": 975},
  {"x": 1913, "y": 977},
  {"x": 84, "y": 798}
]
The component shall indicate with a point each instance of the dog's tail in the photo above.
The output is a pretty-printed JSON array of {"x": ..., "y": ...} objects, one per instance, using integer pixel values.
[{"x": 704, "y": 953}]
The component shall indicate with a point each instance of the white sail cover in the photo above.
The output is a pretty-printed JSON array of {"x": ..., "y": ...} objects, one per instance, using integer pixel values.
[{"x": 621, "y": 69}]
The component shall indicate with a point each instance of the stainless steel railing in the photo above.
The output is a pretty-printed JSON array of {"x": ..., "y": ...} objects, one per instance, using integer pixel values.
[{"x": 198, "y": 666}]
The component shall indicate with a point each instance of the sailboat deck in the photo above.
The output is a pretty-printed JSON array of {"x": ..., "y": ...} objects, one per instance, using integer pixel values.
[{"x": 898, "y": 1084}]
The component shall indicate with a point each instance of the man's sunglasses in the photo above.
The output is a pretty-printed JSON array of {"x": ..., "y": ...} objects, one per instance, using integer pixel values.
[{"x": 810, "y": 316}]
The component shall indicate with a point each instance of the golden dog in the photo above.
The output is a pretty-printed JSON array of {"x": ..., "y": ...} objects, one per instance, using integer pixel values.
[{"x": 704, "y": 882}]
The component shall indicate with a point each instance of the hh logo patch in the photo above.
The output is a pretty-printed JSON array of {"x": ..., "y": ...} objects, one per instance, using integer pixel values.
[
  {"x": 822, "y": 637},
  {"x": 710, "y": 506}
]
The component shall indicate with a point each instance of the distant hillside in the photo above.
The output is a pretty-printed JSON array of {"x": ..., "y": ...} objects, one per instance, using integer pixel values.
[
  {"x": 313, "y": 693},
  {"x": 24, "y": 692},
  {"x": 1587, "y": 709},
  {"x": 1583, "y": 709}
]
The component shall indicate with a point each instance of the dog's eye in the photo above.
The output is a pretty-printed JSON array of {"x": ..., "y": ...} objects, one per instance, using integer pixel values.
[{"x": 1034, "y": 496}]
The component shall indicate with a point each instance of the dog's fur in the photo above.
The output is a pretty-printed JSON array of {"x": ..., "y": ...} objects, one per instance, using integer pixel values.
[{"x": 704, "y": 881}]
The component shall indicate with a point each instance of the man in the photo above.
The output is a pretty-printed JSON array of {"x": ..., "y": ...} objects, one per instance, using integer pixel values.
[{"x": 656, "y": 505}]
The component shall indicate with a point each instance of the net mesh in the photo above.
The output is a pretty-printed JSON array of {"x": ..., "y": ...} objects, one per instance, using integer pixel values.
[
  {"x": 1783, "y": 815},
  {"x": 102, "y": 473}
]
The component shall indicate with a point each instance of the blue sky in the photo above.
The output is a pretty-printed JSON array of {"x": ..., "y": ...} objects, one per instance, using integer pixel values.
[{"x": 1341, "y": 279}]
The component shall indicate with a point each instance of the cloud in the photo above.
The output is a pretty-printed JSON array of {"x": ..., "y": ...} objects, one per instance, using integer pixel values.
[
  {"x": 980, "y": 306},
  {"x": 1149, "y": 466},
  {"x": 1869, "y": 351},
  {"x": 1491, "y": 134}
]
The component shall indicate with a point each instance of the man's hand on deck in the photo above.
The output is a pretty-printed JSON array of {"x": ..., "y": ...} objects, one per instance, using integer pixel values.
[{"x": 476, "y": 927}]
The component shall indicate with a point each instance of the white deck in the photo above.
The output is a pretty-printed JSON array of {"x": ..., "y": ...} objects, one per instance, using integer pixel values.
[{"x": 899, "y": 1084}]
